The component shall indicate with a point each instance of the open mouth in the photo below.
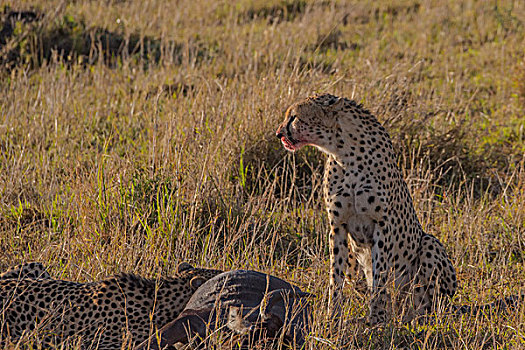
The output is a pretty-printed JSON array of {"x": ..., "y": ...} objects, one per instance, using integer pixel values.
[{"x": 291, "y": 144}]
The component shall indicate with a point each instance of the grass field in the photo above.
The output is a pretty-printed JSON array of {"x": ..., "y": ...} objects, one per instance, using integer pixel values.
[{"x": 138, "y": 134}]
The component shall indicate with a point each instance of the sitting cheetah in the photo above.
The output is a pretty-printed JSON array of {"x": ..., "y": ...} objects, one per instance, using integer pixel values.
[
  {"x": 373, "y": 224},
  {"x": 101, "y": 313}
]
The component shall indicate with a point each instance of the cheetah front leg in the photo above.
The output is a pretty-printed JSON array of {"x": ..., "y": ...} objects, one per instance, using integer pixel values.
[
  {"x": 380, "y": 303},
  {"x": 341, "y": 263},
  {"x": 338, "y": 207},
  {"x": 362, "y": 271}
]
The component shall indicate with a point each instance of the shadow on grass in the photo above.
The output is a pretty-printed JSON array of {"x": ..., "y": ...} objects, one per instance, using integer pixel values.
[
  {"x": 266, "y": 164},
  {"x": 285, "y": 10},
  {"x": 446, "y": 335},
  {"x": 272, "y": 11},
  {"x": 29, "y": 38}
]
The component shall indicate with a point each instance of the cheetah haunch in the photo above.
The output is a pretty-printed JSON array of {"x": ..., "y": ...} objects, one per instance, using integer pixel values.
[
  {"x": 374, "y": 228},
  {"x": 246, "y": 302},
  {"x": 104, "y": 314}
]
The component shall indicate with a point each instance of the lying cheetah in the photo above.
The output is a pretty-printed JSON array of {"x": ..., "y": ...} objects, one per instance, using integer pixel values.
[
  {"x": 101, "y": 313},
  {"x": 374, "y": 228}
]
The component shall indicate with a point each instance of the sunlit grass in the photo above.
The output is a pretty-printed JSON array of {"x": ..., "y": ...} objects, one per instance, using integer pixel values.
[{"x": 137, "y": 156}]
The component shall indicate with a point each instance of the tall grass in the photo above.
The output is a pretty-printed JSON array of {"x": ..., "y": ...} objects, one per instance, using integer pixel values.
[{"x": 138, "y": 134}]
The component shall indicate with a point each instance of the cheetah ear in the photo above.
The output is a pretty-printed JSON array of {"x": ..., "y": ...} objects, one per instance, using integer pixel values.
[
  {"x": 337, "y": 104},
  {"x": 184, "y": 266},
  {"x": 197, "y": 281}
]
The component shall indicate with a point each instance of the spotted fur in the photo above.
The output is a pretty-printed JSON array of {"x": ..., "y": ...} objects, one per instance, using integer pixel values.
[
  {"x": 27, "y": 270},
  {"x": 104, "y": 314},
  {"x": 374, "y": 229}
]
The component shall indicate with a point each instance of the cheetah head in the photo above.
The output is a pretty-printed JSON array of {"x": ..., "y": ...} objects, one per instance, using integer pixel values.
[
  {"x": 309, "y": 123},
  {"x": 194, "y": 275}
]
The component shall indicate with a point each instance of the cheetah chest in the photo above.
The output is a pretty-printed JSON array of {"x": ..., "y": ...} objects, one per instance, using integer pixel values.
[{"x": 342, "y": 209}]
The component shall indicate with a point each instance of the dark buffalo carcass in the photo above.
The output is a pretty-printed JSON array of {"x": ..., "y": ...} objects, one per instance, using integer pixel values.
[{"x": 254, "y": 304}]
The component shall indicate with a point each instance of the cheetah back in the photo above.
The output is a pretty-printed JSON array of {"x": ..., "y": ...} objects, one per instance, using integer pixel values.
[{"x": 26, "y": 270}]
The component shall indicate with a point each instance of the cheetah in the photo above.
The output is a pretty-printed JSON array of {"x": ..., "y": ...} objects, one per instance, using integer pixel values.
[
  {"x": 374, "y": 229},
  {"x": 27, "y": 270},
  {"x": 123, "y": 309}
]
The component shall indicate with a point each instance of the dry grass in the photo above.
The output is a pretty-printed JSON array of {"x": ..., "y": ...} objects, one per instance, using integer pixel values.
[{"x": 138, "y": 134}]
